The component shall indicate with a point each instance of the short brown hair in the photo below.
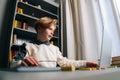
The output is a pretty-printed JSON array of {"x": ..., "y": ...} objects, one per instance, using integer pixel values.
[{"x": 45, "y": 22}]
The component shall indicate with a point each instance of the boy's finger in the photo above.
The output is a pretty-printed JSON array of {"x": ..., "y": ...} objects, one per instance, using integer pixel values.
[
  {"x": 29, "y": 61},
  {"x": 34, "y": 61},
  {"x": 23, "y": 63}
]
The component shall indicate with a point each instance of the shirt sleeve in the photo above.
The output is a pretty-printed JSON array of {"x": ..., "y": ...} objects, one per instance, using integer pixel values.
[
  {"x": 64, "y": 62},
  {"x": 25, "y": 50},
  {"x": 21, "y": 53}
]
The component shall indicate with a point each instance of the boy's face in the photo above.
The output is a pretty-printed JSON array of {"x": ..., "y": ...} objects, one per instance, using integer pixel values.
[{"x": 46, "y": 34}]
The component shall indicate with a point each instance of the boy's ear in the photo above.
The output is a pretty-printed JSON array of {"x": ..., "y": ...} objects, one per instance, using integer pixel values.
[{"x": 38, "y": 28}]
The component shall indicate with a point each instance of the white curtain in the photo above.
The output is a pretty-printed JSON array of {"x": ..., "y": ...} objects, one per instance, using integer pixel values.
[
  {"x": 86, "y": 22},
  {"x": 73, "y": 31},
  {"x": 82, "y": 39},
  {"x": 116, "y": 36},
  {"x": 111, "y": 24}
]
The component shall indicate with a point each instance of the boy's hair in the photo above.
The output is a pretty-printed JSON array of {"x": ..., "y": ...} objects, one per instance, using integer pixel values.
[{"x": 45, "y": 22}]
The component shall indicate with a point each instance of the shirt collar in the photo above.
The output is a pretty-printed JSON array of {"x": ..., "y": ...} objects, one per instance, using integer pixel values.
[{"x": 40, "y": 42}]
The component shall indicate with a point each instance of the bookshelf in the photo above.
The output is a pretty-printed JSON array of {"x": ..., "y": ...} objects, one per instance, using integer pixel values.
[{"x": 24, "y": 14}]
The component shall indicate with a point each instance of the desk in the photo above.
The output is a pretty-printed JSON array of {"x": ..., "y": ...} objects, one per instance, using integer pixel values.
[{"x": 109, "y": 74}]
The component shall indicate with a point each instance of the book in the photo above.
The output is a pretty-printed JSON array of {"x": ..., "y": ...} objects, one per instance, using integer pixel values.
[
  {"x": 68, "y": 68},
  {"x": 15, "y": 23},
  {"x": 14, "y": 39},
  {"x": 116, "y": 62},
  {"x": 116, "y": 58}
]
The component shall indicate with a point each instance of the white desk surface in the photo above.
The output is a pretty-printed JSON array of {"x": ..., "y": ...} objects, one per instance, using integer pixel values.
[{"x": 109, "y": 74}]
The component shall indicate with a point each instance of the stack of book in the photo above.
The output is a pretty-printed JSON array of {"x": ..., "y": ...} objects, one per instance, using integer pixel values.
[{"x": 116, "y": 61}]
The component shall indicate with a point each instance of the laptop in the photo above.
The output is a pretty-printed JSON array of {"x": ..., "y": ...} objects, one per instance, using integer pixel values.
[{"x": 105, "y": 57}]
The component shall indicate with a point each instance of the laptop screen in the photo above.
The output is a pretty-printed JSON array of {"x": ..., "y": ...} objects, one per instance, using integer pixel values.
[{"x": 105, "y": 57}]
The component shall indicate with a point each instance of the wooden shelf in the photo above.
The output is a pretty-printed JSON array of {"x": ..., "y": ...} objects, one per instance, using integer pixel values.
[{"x": 30, "y": 9}]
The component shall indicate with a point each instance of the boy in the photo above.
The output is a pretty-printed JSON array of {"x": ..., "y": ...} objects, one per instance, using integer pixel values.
[{"x": 42, "y": 53}]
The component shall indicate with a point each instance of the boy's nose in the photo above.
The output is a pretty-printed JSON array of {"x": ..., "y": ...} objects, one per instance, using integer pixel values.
[{"x": 52, "y": 33}]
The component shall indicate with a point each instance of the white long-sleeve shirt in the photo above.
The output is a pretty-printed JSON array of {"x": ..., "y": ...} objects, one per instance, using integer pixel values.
[{"x": 48, "y": 56}]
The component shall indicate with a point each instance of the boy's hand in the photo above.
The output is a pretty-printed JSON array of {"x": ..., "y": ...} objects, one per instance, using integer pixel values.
[
  {"x": 30, "y": 61},
  {"x": 91, "y": 64}
]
